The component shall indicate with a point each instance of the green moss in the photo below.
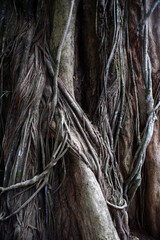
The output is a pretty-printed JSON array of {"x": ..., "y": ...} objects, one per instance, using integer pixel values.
[
  {"x": 61, "y": 13},
  {"x": 158, "y": 196},
  {"x": 19, "y": 175}
]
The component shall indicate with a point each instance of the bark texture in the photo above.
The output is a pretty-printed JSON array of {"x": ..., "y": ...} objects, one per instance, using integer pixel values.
[{"x": 79, "y": 119}]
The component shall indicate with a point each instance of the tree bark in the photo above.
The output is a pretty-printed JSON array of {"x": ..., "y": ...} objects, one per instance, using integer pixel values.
[{"x": 79, "y": 119}]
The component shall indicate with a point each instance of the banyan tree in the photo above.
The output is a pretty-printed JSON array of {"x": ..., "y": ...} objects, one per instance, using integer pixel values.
[{"x": 79, "y": 119}]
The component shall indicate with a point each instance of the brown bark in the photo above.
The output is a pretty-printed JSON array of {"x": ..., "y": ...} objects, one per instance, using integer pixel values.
[
  {"x": 152, "y": 166},
  {"x": 102, "y": 56}
]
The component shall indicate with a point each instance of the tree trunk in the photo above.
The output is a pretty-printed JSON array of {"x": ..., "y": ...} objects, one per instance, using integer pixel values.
[{"x": 79, "y": 119}]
